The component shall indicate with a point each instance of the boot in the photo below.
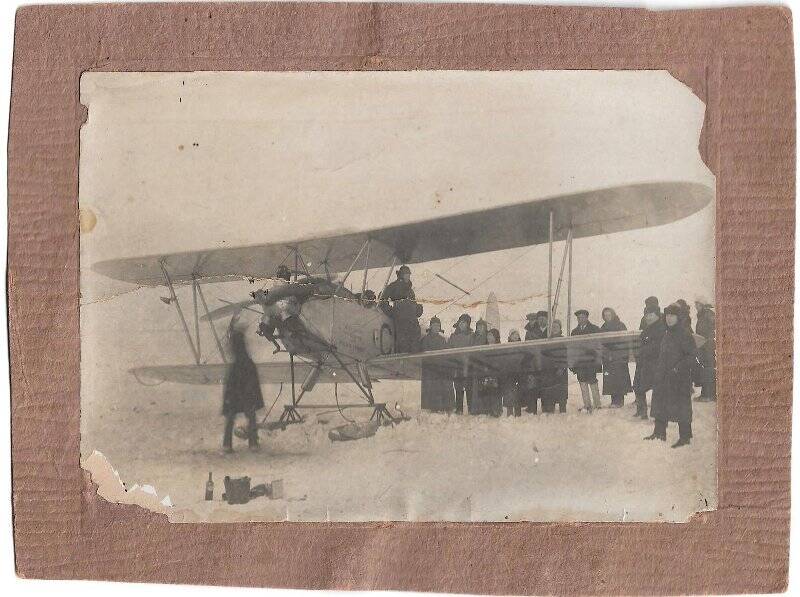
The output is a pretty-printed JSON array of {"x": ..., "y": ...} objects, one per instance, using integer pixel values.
[
  {"x": 659, "y": 432},
  {"x": 684, "y": 441}
]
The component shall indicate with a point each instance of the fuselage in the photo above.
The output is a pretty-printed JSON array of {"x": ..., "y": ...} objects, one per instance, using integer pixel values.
[{"x": 315, "y": 325}]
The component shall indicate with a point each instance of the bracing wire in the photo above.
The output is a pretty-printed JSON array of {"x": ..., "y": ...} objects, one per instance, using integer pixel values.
[
  {"x": 486, "y": 279},
  {"x": 280, "y": 390},
  {"x": 341, "y": 412}
]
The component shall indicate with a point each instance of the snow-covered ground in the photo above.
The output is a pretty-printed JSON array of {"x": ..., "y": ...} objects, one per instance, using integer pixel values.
[{"x": 434, "y": 467}]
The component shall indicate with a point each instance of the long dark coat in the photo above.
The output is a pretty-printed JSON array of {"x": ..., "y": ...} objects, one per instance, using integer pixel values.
[
  {"x": 705, "y": 370},
  {"x": 242, "y": 390},
  {"x": 616, "y": 374},
  {"x": 647, "y": 357},
  {"x": 672, "y": 391},
  {"x": 404, "y": 312},
  {"x": 436, "y": 387},
  {"x": 487, "y": 399},
  {"x": 511, "y": 391},
  {"x": 459, "y": 339},
  {"x": 586, "y": 374},
  {"x": 554, "y": 386}
]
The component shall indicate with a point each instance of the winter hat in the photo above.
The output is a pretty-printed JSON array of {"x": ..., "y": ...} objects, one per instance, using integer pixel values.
[
  {"x": 463, "y": 317},
  {"x": 673, "y": 309},
  {"x": 652, "y": 309},
  {"x": 581, "y": 312},
  {"x": 541, "y": 314},
  {"x": 651, "y": 301},
  {"x": 434, "y": 320},
  {"x": 703, "y": 300}
]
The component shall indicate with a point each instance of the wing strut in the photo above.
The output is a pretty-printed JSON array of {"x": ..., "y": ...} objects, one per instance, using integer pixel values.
[
  {"x": 550, "y": 306},
  {"x": 174, "y": 299},
  {"x": 568, "y": 331},
  {"x": 567, "y": 251},
  {"x": 389, "y": 274},
  {"x": 366, "y": 271},
  {"x": 352, "y": 265},
  {"x": 210, "y": 322},
  {"x": 552, "y": 299}
]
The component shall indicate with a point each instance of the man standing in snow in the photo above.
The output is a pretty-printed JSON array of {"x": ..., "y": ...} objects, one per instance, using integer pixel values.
[
  {"x": 647, "y": 358},
  {"x": 705, "y": 373},
  {"x": 461, "y": 337},
  {"x": 587, "y": 374},
  {"x": 672, "y": 391},
  {"x": 436, "y": 390},
  {"x": 241, "y": 393}
]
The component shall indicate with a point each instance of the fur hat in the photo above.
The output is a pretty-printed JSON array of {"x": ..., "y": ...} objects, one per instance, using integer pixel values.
[
  {"x": 435, "y": 320},
  {"x": 404, "y": 269},
  {"x": 673, "y": 309},
  {"x": 651, "y": 301},
  {"x": 581, "y": 312},
  {"x": 703, "y": 300},
  {"x": 463, "y": 317}
]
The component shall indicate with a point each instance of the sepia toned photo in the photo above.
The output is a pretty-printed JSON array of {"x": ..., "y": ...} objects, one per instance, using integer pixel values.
[{"x": 387, "y": 296}]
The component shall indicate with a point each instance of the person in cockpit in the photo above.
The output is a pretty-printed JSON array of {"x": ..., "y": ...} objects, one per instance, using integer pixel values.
[{"x": 404, "y": 311}]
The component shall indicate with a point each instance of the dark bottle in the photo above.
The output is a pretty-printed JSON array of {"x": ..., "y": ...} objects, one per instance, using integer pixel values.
[{"x": 209, "y": 488}]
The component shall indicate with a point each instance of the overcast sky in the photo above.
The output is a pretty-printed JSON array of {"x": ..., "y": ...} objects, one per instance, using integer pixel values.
[{"x": 189, "y": 161}]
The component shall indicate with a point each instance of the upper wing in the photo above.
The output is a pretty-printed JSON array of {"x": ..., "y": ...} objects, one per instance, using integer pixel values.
[
  {"x": 510, "y": 358},
  {"x": 590, "y": 213}
]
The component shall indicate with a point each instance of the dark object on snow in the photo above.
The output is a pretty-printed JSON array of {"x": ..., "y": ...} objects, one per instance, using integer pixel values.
[
  {"x": 209, "y": 488},
  {"x": 353, "y": 431},
  {"x": 259, "y": 490},
  {"x": 237, "y": 490}
]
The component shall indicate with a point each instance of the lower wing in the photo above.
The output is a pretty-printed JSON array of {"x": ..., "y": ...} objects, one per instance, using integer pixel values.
[
  {"x": 512, "y": 357},
  {"x": 268, "y": 373},
  {"x": 490, "y": 360}
]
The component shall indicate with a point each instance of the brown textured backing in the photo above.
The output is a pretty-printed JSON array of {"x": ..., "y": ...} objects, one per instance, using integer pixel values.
[{"x": 737, "y": 60}]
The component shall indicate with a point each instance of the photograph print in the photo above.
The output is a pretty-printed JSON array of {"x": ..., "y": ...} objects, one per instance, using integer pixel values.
[{"x": 462, "y": 296}]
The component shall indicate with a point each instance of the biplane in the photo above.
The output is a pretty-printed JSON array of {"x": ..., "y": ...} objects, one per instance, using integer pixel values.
[{"x": 334, "y": 335}]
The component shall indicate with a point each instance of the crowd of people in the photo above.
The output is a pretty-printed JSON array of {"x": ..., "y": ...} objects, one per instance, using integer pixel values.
[{"x": 668, "y": 365}]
